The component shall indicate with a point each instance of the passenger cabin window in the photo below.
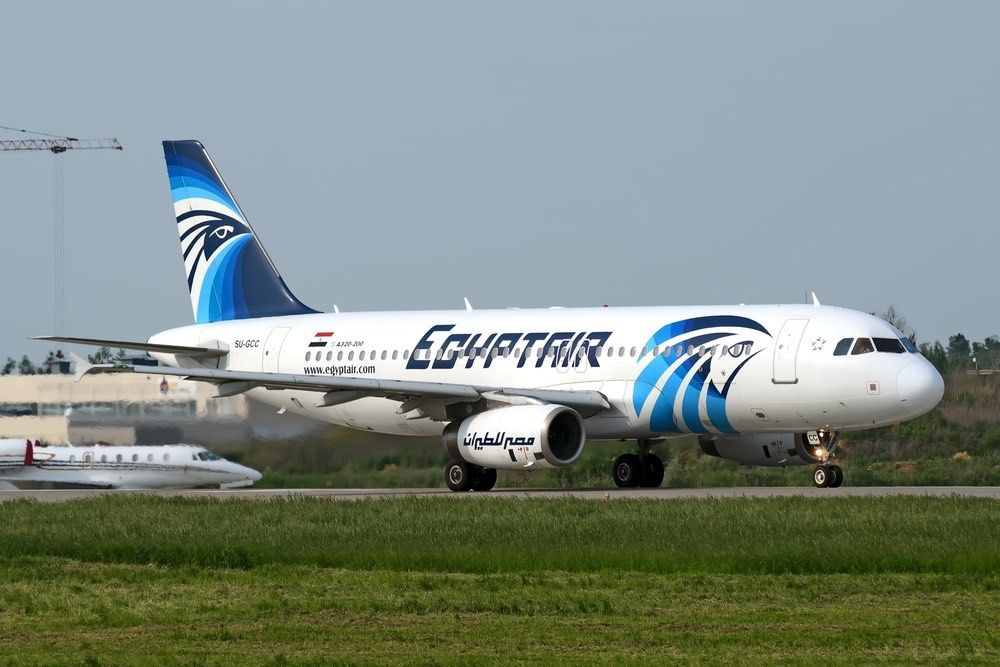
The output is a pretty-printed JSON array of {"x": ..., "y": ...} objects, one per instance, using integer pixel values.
[
  {"x": 135, "y": 458},
  {"x": 118, "y": 458},
  {"x": 150, "y": 458},
  {"x": 166, "y": 457},
  {"x": 863, "y": 346},
  {"x": 893, "y": 345},
  {"x": 843, "y": 347},
  {"x": 308, "y": 356}
]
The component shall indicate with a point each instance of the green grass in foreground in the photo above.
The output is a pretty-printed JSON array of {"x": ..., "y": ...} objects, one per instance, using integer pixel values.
[
  {"x": 63, "y": 612},
  {"x": 126, "y": 580},
  {"x": 771, "y": 535}
]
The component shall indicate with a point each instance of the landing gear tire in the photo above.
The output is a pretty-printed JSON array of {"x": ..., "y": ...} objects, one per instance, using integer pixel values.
[
  {"x": 838, "y": 476},
  {"x": 459, "y": 475},
  {"x": 484, "y": 479},
  {"x": 627, "y": 471},
  {"x": 822, "y": 477},
  {"x": 652, "y": 471}
]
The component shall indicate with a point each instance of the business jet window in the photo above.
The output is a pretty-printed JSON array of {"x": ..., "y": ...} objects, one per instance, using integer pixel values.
[
  {"x": 150, "y": 458},
  {"x": 889, "y": 345},
  {"x": 118, "y": 458},
  {"x": 843, "y": 347},
  {"x": 104, "y": 458},
  {"x": 908, "y": 345},
  {"x": 166, "y": 457},
  {"x": 135, "y": 458},
  {"x": 863, "y": 346}
]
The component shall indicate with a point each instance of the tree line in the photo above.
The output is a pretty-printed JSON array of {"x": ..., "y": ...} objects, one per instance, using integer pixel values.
[{"x": 26, "y": 366}]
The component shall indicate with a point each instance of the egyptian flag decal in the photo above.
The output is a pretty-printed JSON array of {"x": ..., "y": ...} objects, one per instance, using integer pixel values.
[{"x": 320, "y": 339}]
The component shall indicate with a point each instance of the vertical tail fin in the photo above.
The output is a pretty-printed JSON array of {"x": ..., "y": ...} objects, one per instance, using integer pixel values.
[{"x": 229, "y": 274}]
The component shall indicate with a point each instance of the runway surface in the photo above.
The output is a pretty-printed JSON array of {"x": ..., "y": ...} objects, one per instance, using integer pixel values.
[{"x": 593, "y": 494}]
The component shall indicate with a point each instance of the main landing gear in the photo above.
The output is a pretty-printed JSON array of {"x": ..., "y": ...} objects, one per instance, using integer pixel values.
[
  {"x": 643, "y": 468},
  {"x": 828, "y": 476},
  {"x": 462, "y": 476}
]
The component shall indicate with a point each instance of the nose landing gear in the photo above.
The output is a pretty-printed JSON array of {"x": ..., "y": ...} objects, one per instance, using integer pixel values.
[
  {"x": 827, "y": 476},
  {"x": 643, "y": 468}
]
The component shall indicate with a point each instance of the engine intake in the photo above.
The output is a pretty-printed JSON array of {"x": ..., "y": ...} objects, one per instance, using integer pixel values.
[{"x": 518, "y": 437}]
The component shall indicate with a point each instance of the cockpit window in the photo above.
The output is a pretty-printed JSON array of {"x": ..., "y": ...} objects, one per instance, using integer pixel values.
[
  {"x": 843, "y": 347},
  {"x": 863, "y": 346},
  {"x": 893, "y": 345},
  {"x": 908, "y": 345},
  {"x": 209, "y": 456}
]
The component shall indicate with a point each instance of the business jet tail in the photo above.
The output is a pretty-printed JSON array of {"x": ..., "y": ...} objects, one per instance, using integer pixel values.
[{"x": 229, "y": 274}]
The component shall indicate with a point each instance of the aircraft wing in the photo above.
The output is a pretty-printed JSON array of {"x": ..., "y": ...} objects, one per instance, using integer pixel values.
[
  {"x": 336, "y": 390},
  {"x": 193, "y": 352}
]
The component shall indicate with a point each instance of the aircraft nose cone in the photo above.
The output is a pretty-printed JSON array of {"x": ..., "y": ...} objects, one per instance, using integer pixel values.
[
  {"x": 920, "y": 387},
  {"x": 253, "y": 474}
]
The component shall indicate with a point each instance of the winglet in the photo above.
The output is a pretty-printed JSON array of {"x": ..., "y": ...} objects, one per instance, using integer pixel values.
[
  {"x": 468, "y": 306},
  {"x": 815, "y": 299},
  {"x": 83, "y": 367}
]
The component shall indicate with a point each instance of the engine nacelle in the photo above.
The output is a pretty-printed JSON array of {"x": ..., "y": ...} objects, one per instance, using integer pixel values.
[
  {"x": 772, "y": 449},
  {"x": 16, "y": 453},
  {"x": 518, "y": 437}
]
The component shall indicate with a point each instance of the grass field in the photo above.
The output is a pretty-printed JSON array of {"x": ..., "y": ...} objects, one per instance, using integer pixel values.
[{"x": 132, "y": 580}]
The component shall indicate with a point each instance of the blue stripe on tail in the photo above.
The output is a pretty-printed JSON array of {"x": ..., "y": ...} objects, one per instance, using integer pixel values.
[{"x": 230, "y": 276}]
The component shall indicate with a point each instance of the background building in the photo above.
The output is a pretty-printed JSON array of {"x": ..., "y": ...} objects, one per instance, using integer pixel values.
[{"x": 134, "y": 408}]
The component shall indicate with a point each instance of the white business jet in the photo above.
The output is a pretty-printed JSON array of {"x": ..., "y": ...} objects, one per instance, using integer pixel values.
[{"x": 25, "y": 464}]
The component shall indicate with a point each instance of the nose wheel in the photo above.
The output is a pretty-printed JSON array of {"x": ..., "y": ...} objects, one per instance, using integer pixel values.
[
  {"x": 827, "y": 476},
  {"x": 643, "y": 468}
]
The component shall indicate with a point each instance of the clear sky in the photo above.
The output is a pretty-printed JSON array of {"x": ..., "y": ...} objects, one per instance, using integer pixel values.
[{"x": 404, "y": 155}]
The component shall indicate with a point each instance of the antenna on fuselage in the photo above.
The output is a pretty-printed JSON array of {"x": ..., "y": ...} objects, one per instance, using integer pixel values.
[
  {"x": 814, "y": 299},
  {"x": 468, "y": 306}
]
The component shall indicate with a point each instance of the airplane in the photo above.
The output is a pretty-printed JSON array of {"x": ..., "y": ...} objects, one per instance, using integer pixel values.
[
  {"x": 27, "y": 464},
  {"x": 524, "y": 389}
]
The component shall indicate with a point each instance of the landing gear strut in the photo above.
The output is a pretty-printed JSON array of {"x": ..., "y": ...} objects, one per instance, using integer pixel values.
[
  {"x": 643, "y": 468},
  {"x": 462, "y": 476},
  {"x": 827, "y": 476}
]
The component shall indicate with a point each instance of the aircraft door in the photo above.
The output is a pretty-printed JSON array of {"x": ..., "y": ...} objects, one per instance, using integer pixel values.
[
  {"x": 272, "y": 349},
  {"x": 786, "y": 349}
]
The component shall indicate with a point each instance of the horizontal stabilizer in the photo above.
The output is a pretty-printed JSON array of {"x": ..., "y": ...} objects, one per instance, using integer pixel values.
[{"x": 194, "y": 352}]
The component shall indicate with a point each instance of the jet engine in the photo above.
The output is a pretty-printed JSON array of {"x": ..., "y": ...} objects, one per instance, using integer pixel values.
[
  {"x": 16, "y": 453},
  {"x": 772, "y": 449},
  {"x": 518, "y": 437}
]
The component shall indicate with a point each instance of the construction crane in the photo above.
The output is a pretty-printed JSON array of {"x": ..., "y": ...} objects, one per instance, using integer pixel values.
[{"x": 57, "y": 145}]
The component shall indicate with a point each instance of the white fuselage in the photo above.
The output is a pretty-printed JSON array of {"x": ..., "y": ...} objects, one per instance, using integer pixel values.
[
  {"x": 664, "y": 370},
  {"x": 121, "y": 467}
]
